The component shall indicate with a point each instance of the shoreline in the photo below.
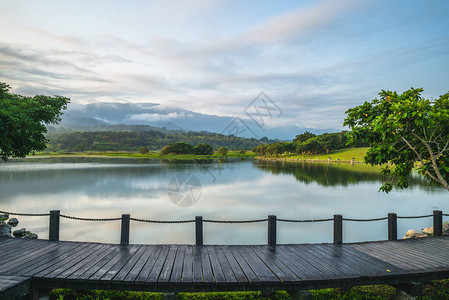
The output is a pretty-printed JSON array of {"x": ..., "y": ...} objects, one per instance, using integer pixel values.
[{"x": 309, "y": 160}]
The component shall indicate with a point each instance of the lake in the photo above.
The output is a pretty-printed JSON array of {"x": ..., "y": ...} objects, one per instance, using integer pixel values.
[{"x": 232, "y": 189}]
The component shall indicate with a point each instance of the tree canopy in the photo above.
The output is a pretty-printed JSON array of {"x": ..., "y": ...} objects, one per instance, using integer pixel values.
[
  {"x": 404, "y": 130},
  {"x": 23, "y": 120}
]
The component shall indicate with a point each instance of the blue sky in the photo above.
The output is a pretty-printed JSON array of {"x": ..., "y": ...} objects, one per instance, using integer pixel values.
[{"x": 314, "y": 59}]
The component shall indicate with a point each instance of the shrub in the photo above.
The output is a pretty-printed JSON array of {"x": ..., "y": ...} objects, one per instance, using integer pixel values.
[
  {"x": 222, "y": 151},
  {"x": 178, "y": 148},
  {"x": 143, "y": 150},
  {"x": 204, "y": 149}
]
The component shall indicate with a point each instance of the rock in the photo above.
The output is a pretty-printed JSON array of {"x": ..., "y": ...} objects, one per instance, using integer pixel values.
[
  {"x": 5, "y": 229},
  {"x": 446, "y": 228},
  {"x": 428, "y": 230},
  {"x": 19, "y": 233},
  {"x": 4, "y": 217},
  {"x": 414, "y": 234},
  {"x": 13, "y": 222},
  {"x": 32, "y": 236}
]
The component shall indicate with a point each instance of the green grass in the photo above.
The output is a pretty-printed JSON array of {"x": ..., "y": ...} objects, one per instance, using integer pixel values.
[
  {"x": 150, "y": 155},
  {"x": 341, "y": 154},
  {"x": 438, "y": 289}
]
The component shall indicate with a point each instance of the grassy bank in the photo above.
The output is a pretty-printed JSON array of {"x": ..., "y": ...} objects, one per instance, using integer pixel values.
[
  {"x": 341, "y": 154},
  {"x": 438, "y": 289},
  {"x": 150, "y": 155}
]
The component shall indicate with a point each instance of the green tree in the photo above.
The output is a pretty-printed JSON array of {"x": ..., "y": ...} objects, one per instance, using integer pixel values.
[
  {"x": 222, "y": 151},
  {"x": 23, "y": 120},
  {"x": 300, "y": 138},
  {"x": 178, "y": 148},
  {"x": 404, "y": 129},
  {"x": 143, "y": 150},
  {"x": 204, "y": 149}
]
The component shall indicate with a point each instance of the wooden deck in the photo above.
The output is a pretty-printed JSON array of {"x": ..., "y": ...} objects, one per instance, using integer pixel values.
[{"x": 177, "y": 268}]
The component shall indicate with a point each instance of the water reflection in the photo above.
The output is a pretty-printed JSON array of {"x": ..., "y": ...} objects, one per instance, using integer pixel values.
[
  {"x": 335, "y": 174},
  {"x": 232, "y": 189}
]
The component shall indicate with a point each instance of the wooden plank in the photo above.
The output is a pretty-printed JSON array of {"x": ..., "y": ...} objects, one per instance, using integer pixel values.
[
  {"x": 167, "y": 269},
  {"x": 100, "y": 264},
  {"x": 32, "y": 252},
  {"x": 208, "y": 275},
  {"x": 140, "y": 264},
  {"x": 159, "y": 263},
  {"x": 32, "y": 263},
  {"x": 215, "y": 264},
  {"x": 149, "y": 264},
  {"x": 249, "y": 273},
  {"x": 350, "y": 264},
  {"x": 257, "y": 265},
  {"x": 89, "y": 268},
  {"x": 236, "y": 269},
  {"x": 386, "y": 253},
  {"x": 86, "y": 261},
  {"x": 225, "y": 265},
  {"x": 14, "y": 287},
  {"x": 111, "y": 269},
  {"x": 425, "y": 252},
  {"x": 337, "y": 261},
  {"x": 64, "y": 262},
  {"x": 274, "y": 264},
  {"x": 302, "y": 269},
  {"x": 121, "y": 275},
  {"x": 375, "y": 263},
  {"x": 197, "y": 269},
  {"x": 176, "y": 274},
  {"x": 187, "y": 267},
  {"x": 306, "y": 254}
]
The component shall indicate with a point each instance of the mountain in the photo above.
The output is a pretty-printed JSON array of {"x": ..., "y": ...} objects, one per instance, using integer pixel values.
[{"x": 152, "y": 116}]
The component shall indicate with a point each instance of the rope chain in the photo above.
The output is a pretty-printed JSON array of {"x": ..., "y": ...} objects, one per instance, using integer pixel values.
[
  {"x": 415, "y": 217},
  {"x": 23, "y": 214},
  {"x": 365, "y": 220},
  {"x": 162, "y": 222},
  {"x": 214, "y": 221},
  {"x": 89, "y": 219},
  {"x": 235, "y": 222},
  {"x": 305, "y": 221}
]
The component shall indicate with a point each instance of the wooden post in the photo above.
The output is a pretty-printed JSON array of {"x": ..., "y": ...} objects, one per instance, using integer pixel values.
[
  {"x": 124, "y": 238},
  {"x": 271, "y": 230},
  {"x": 53, "y": 234},
  {"x": 437, "y": 223},
  {"x": 338, "y": 229},
  {"x": 199, "y": 230},
  {"x": 392, "y": 227}
]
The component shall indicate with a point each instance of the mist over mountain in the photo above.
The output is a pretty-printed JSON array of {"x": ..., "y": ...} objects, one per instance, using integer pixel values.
[{"x": 152, "y": 116}]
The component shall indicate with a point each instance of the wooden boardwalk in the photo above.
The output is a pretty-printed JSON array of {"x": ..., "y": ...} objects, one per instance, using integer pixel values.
[{"x": 177, "y": 268}]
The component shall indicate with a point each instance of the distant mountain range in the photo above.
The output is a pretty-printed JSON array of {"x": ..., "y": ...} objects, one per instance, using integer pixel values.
[{"x": 152, "y": 116}]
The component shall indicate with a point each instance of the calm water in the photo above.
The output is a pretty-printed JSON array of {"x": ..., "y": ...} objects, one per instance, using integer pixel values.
[{"x": 225, "y": 190}]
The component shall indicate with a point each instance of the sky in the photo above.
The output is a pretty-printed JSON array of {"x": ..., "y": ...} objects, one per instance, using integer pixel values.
[{"x": 313, "y": 59}]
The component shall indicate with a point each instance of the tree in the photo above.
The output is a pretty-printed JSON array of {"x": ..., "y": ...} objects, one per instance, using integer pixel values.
[
  {"x": 143, "y": 150},
  {"x": 222, "y": 151},
  {"x": 300, "y": 138},
  {"x": 178, "y": 148},
  {"x": 23, "y": 120},
  {"x": 204, "y": 149},
  {"x": 404, "y": 129}
]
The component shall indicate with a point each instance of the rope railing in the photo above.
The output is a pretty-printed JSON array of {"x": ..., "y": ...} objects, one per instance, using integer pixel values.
[
  {"x": 415, "y": 217},
  {"x": 235, "y": 221},
  {"x": 125, "y": 219},
  {"x": 162, "y": 222},
  {"x": 90, "y": 219},
  {"x": 23, "y": 214},
  {"x": 305, "y": 221},
  {"x": 365, "y": 220}
]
